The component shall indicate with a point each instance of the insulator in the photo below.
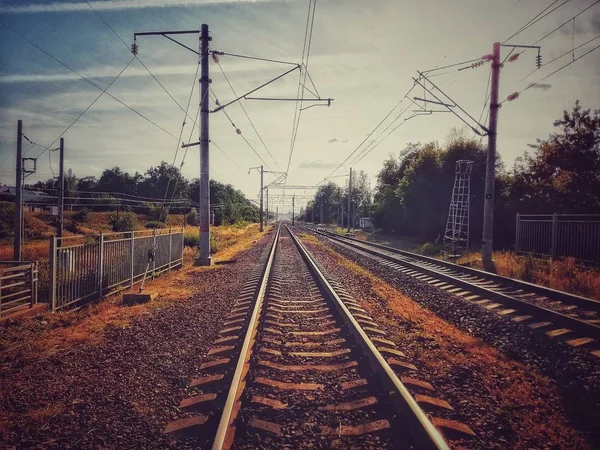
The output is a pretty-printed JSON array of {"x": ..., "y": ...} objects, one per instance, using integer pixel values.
[
  {"x": 538, "y": 60},
  {"x": 134, "y": 48},
  {"x": 514, "y": 57},
  {"x": 215, "y": 57},
  {"x": 238, "y": 131},
  {"x": 512, "y": 97}
]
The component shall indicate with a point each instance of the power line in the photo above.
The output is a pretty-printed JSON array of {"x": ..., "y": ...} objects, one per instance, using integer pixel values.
[
  {"x": 136, "y": 56},
  {"x": 89, "y": 106},
  {"x": 247, "y": 116},
  {"x": 560, "y": 56},
  {"x": 370, "y": 134},
  {"x": 563, "y": 24},
  {"x": 537, "y": 18},
  {"x": 87, "y": 80}
]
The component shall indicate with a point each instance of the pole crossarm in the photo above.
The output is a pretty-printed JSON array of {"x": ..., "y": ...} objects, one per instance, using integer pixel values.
[
  {"x": 275, "y": 99},
  {"x": 292, "y": 186},
  {"x": 254, "y": 90},
  {"x": 165, "y": 34}
]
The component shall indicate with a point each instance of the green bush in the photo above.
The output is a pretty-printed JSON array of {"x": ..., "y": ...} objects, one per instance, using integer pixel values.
[
  {"x": 154, "y": 224},
  {"x": 125, "y": 222},
  {"x": 191, "y": 218},
  {"x": 7, "y": 217},
  {"x": 190, "y": 239}
]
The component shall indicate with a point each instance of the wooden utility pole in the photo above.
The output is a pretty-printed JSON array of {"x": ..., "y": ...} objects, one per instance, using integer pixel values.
[
  {"x": 18, "y": 224},
  {"x": 293, "y": 208},
  {"x": 204, "y": 246},
  {"x": 349, "y": 198},
  {"x": 61, "y": 191},
  {"x": 490, "y": 168}
]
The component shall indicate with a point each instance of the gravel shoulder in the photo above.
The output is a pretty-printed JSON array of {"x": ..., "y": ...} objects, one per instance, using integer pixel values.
[
  {"x": 120, "y": 388},
  {"x": 512, "y": 386}
]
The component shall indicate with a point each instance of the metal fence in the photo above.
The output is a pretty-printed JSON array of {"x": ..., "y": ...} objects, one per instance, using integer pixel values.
[
  {"x": 18, "y": 285},
  {"x": 559, "y": 235},
  {"x": 89, "y": 267}
]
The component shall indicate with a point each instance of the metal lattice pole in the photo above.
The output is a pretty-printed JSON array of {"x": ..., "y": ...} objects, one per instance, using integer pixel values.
[{"x": 456, "y": 237}]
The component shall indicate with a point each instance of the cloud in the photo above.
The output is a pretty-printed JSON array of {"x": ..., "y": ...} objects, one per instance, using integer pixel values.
[
  {"x": 542, "y": 86},
  {"x": 333, "y": 140},
  {"x": 103, "y": 5},
  {"x": 317, "y": 164}
]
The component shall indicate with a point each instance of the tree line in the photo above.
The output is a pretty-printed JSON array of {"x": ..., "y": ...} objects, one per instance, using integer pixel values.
[
  {"x": 143, "y": 193},
  {"x": 560, "y": 174}
]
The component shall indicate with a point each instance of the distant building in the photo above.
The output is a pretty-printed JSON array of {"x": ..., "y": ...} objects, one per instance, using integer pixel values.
[
  {"x": 365, "y": 222},
  {"x": 33, "y": 200}
]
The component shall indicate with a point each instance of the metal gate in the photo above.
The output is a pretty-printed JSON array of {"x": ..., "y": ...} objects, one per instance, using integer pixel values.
[{"x": 89, "y": 267}]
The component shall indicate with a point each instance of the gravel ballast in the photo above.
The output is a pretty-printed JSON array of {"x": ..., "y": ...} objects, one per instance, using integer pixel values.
[
  {"x": 120, "y": 393},
  {"x": 515, "y": 387}
]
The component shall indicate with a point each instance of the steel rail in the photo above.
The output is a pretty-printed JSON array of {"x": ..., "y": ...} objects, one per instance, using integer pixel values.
[
  {"x": 228, "y": 414},
  {"x": 557, "y": 318},
  {"x": 422, "y": 430},
  {"x": 572, "y": 299}
]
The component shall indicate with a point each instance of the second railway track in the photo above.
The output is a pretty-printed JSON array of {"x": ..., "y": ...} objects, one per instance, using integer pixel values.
[
  {"x": 298, "y": 365},
  {"x": 557, "y": 313}
]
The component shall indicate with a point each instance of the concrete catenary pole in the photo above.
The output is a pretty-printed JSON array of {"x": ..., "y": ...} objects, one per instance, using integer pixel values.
[
  {"x": 490, "y": 168},
  {"x": 18, "y": 194},
  {"x": 267, "y": 215},
  {"x": 293, "y": 208},
  {"x": 205, "y": 259},
  {"x": 61, "y": 190},
  {"x": 321, "y": 214},
  {"x": 349, "y": 198},
  {"x": 261, "y": 199}
]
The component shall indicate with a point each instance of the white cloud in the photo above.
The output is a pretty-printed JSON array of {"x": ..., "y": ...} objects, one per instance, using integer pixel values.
[{"x": 102, "y": 5}]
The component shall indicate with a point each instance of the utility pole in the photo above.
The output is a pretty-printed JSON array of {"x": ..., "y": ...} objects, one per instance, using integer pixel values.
[
  {"x": 312, "y": 213},
  {"x": 18, "y": 194},
  {"x": 61, "y": 190},
  {"x": 490, "y": 168},
  {"x": 349, "y": 197},
  {"x": 205, "y": 259},
  {"x": 277, "y": 214},
  {"x": 267, "y": 219},
  {"x": 342, "y": 215},
  {"x": 261, "y": 195},
  {"x": 293, "y": 208},
  {"x": 321, "y": 214}
]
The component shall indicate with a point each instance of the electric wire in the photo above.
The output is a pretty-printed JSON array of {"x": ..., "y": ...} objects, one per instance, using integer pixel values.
[
  {"x": 537, "y": 18},
  {"x": 136, "y": 56},
  {"x": 452, "y": 65},
  {"x": 560, "y": 56},
  {"x": 563, "y": 24},
  {"x": 87, "y": 79},
  {"x": 247, "y": 116}
]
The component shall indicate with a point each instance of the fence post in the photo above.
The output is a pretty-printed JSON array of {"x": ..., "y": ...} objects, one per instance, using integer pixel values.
[
  {"x": 154, "y": 248},
  {"x": 31, "y": 287},
  {"x": 182, "y": 245},
  {"x": 1, "y": 292},
  {"x": 553, "y": 249},
  {"x": 35, "y": 285},
  {"x": 131, "y": 250},
  {"x": 517, "y": 226},
  {"x": 100, "y": 264},
  {"x": 53, "y": 270},
  {"x": 170, "y": 247}
]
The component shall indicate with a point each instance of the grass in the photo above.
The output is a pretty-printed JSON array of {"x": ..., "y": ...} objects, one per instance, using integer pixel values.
[
  {"x": 49, "y": 333},
  {"x": 564, "y": 274}
]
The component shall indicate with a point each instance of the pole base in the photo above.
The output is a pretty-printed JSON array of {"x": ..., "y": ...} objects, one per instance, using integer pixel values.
[{"x": 203, "y": 261}]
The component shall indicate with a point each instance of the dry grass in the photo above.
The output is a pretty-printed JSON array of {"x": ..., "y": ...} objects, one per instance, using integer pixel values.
[
  {"x": 564, "y": 274},
  {"x": 525, "y": 400},
  {"x": 86, "y": 326}
]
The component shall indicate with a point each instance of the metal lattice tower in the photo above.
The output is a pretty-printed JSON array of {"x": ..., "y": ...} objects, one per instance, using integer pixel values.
[{"x": 456, "y": 237}]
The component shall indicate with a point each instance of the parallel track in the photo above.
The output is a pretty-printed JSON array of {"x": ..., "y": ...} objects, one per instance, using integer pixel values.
[
  {"x": 557, "y": 313},
  {"x": 299, "y": 364}
]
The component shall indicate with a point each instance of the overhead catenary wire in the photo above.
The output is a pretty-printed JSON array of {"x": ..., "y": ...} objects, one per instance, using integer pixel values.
[
  {"x": 537, "y": 18},
  {"x": 564, "y": 23},
  {"x": 561, "y": 56},
  {"x": 86, "y": 79},
  {"x": 246, "y": 114}
]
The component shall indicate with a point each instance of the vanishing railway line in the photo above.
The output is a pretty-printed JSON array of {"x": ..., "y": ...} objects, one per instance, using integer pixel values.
[
  {"x": 557, "y": 313},
  {"x": 299, "y": 364}
]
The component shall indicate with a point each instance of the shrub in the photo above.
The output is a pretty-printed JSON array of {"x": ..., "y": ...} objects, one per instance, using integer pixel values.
[
  {"x": 154, "y": 224},
  {"x": 191, "y": 239},
  {"x": 191, "y": 218},
  {"x": 7, "y": 215},
  {"x": 126, "y": 222},
  {"x": 428, "y": 249}
]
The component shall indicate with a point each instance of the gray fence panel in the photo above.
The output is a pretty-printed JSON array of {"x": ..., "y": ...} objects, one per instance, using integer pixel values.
[
  {"x": 76, "y": 269},
  {"x": 559, "y": 236}
]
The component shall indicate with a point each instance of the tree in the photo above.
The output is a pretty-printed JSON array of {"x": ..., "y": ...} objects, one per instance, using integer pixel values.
[{"x": 115, "y": 180}]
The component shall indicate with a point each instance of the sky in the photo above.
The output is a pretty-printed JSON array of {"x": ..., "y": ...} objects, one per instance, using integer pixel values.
[{"x": 363, "y": 54}]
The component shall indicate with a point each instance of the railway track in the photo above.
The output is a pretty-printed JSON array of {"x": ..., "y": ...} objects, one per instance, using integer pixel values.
[
  {"x": 299, "y": 364},
  {"x": 558, "y": 314}
]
